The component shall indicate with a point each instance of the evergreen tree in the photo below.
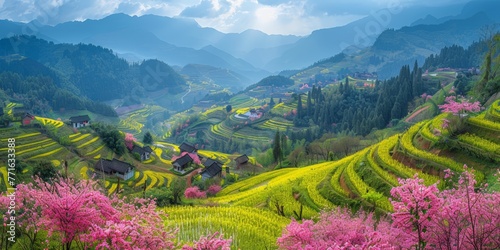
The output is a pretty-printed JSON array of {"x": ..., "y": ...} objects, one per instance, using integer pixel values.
[
  {"x": 309, "y": 107},
  {"x": 271, "y": 102},
  {"x": 299, "y": 107},
  {"x": 148, "y": 138},
  {"x": 277, "y": 153}
]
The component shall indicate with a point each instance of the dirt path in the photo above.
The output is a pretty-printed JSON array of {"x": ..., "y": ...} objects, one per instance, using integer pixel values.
[
  {"x": 190, "y": 176},
  {"x": 416, "y": 113}
]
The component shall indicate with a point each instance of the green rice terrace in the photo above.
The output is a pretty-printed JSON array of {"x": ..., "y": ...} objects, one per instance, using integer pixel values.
[{"x": 362, "y": 179}]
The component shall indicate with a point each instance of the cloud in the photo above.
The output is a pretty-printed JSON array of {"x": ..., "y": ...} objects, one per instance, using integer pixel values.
[
  {"x": 272, "y": 2},
  {"x": 206, "y": 8},
  {"x": 298, "y": 17}
]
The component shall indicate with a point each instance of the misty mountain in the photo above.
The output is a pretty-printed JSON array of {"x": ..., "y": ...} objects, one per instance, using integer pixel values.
[
  {"x": 176, "y": 41},
  {"x": 488, "y": 7},
  {"x": 394, "y": 48},
  {"x": 358, "y": 34}
]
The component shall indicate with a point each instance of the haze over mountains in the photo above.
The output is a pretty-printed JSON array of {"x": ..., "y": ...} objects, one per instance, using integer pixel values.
[{"x": 251, "y": 55}]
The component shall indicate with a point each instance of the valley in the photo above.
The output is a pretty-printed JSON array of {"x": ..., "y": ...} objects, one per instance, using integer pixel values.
[{"x": 143, "y": 131}]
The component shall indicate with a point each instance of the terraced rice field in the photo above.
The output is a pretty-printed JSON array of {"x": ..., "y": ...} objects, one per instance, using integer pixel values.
[
  {"x": 249, "y": 228},
  {"x": 275, "y": 124},
  {"x": 133, "y": 122},
  {"x": 48, "y": 121},
  {"x": 152, "y": 179},
  {"x": 335, "y": 183},
  {"x": 243, "y": 101}
]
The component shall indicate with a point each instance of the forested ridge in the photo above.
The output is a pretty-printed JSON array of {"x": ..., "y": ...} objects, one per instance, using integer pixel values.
[{"x": 44, "y": 75}]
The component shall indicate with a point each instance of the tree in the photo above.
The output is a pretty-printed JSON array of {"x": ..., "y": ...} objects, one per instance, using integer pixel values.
[
  {"x": 213, "y": 189},
  {"x": 212, "y": 242},
  {"x": 271, "y": 102},
  {"x": 148, "y": 138},
  {"x": 340, "y": 229},
  {"x": 277, "y": 153},
  {"x": 162, "y": 196},
  {"x": 468, "y": 216},
  {"x": 300, "y": 112},
  {"x": 194, "y": 193},
  {"x": 415, "y": 208},
  {"x": 177, "y": 187},
  {"x": 459, "y": 107},
  {"x": 78, "y": 211},
  {"x": 296, "y": 156},
  {"x": 129, "y": 140},
  {"x": 229, "y": 108},
  {"x": 45, "y": 170}
]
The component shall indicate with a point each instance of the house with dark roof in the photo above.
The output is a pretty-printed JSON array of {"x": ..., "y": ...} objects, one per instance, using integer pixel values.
[
  {"x": 27, "y": 119},
  {"x": 115, "y": 167},
  {"x": 184, "y": 147},
  {"x": 182, "y": 162},
  {"x": 144, "y": 152},
  {"x": 242, "y": 159},
  {"x": 19, "y": 112},
  {"x": 79, "y": 121},
  {"x": 212, "y": 168}
]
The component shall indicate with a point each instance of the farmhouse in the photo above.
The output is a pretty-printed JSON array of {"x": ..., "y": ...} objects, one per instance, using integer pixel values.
[
  {"x": 19, "y": 113},
  {"x": 144, "y": 152},
  {"x": 212, "y": 168},
  {"x": 241, "y": 160},
  {"x": 79, "y": 121},
  {"x": 184, "y": 147},
  {"x": 115, "y": 167},
  {"x": 27, "y": 119},
  {"x": 182, "y": 162}
]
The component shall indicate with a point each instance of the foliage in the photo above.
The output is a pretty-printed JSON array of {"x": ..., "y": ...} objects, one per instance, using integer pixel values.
[
  {"x": 339, "y": 229},
  {"x": 161, "y": 195},
  {"x": 45, "y": 170},
  {"x": 212, "y": 242},
  {"x": 148, "y": 138},
  {"x": 461, "y": 217},
  {"x": 415, "y": 208},
  {"x": 75, "y": 211},
  {"x": 129, "y": 141},
  {"x": 71, "y": 211},
  {"x": 459, "y": 107},
  {"x": 214, "y": 189},
  {"x": 424, "y": 218},
  {"x": 194, "y": 193},
  {"x": 111, "y": 137}
]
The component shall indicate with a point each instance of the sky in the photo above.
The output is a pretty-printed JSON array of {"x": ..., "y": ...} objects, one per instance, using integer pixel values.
[{"x": 297, "y": 17}]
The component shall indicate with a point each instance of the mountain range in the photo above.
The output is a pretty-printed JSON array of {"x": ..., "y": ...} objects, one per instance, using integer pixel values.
[{"x": 252, "y": 55}]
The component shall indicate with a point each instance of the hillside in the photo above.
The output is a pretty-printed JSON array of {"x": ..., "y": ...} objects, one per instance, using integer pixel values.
[
  {"x": 393, "y": 48},
  {"x": 360, "y": 180},
  {"x": 365, "y": 178}
]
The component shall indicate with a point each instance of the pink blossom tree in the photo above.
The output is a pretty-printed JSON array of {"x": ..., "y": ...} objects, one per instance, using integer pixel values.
[
  {"x": 70, "y": 208},
  {"x": 339, "y": 229},
  {"x": 27, "y": 214},
  {"x": 194, "y": 193},
  {"x": 415, "y": 208},
  {"x": 129, "y": 140},
  {"x": 214, "y": 189},
  {"x": 77, "y": 211},
  {"x": 138, "y": 226},
  {"x": 459, "y": 107},
  {"x": 468, "y": 217},
  {"x": 212, "y": 242}
]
